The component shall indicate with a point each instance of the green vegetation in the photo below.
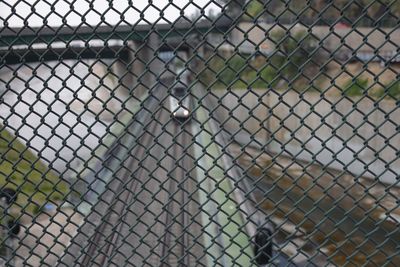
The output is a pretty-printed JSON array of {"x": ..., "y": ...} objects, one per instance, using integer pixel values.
[
  {"x": 323, "y": 12},
  {"x": 360, "y": 87},
  {"x": 281, "y": 72},
  {"x": 297, "y": 56},
  {"x": 355, "y": 87},
  {"x": 237, "y": 71},
  {"x": 221, "y": 72},
  {"x": 391, "y": 91},
  {"x": 21, "y": 170},
  {"x": 294, "y": 59},
  {"x": 254, "y": 10}
]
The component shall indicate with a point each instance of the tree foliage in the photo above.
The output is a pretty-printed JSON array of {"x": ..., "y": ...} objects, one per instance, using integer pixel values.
[
  {"x": 296, "y": 56},
  {"x": 358, "y": 12},
  {"x": 233, "y": 8}
]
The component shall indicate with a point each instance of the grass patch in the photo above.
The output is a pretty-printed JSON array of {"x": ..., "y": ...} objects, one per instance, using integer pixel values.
[
  {"x": 355, "y": 87},
  {"x": 239, "y": 72},
  {"x": 21, "y": 170},
  {"x": 360, "y": 87},
  {"x": 391, "y": 91}
]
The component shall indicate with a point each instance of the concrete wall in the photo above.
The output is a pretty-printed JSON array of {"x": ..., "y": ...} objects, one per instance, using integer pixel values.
[{"x": 357, "y": 135}]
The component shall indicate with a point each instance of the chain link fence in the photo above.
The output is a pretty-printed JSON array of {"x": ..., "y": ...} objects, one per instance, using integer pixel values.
[{"x": 199, "y": 133}]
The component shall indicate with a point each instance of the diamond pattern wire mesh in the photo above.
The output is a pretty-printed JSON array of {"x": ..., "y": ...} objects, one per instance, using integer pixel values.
[{"x": 199, "y": 133}]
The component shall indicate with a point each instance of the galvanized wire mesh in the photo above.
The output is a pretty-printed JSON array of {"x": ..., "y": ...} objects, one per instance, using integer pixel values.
[{"x": 199, "y": 133}]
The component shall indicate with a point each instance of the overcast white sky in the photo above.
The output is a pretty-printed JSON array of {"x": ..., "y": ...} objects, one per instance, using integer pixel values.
[{"x": 35, "y": 13}]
